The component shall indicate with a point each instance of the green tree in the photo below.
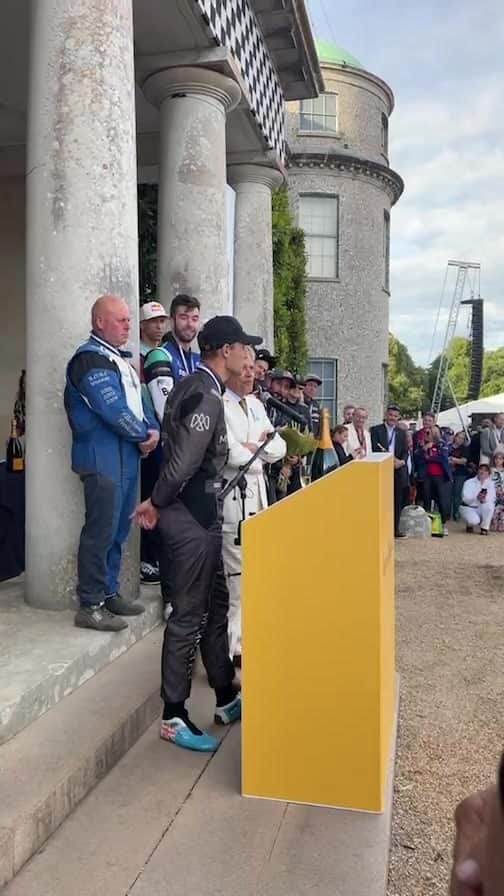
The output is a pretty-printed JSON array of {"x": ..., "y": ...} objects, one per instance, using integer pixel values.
[
  {"x": 147, "y": 240},
  {"x": 493, "y": 373},
  {"x": 406, "y": 382},
  {"x": 289, "y": 274},
  {"x": 458, "y": 372}
]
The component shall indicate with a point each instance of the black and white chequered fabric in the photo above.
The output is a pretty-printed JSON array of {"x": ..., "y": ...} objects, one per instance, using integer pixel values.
[{"x": 232, "y": 24}]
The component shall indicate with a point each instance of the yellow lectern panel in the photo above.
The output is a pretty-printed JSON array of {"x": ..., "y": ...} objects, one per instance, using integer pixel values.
[{"x": 318, "y": 672}]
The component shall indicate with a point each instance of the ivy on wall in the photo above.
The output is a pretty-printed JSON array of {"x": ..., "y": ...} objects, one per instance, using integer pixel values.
[{"x": 289, "y": 271}]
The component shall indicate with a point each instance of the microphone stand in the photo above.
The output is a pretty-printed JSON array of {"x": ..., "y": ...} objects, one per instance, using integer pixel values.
[{"x": 240, "y": 481}]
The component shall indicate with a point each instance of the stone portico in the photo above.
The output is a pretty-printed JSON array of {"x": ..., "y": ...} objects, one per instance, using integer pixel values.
[{"x": 95, "y": 98}]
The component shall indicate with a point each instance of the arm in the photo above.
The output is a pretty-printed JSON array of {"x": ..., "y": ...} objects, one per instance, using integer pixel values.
[
  {"x": 470, "y": 492},
  {"x": 98, "y": 381},
  {"x": 158, "y": 378},
  {"x": 276, "y": 449},
  {"x": 485, "y": 443},
  {"x": 402, "y": 447},
  {"x": 197, "y": 415}
]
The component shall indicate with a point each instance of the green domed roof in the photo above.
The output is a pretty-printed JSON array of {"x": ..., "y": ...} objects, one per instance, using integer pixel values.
[{"x": 334, "y": 55}]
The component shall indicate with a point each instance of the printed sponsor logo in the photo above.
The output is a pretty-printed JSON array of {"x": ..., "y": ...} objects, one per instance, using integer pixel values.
[{"x": 200, "y": 422}]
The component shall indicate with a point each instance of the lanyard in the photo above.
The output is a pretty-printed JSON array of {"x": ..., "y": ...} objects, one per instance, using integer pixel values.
[
  {"x": 189, "y": 368},
  {"x": 212, "y": 375}
]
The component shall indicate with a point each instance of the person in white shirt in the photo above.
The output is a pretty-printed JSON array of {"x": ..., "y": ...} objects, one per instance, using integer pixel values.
[
  {"x": 247, "y": 425},
  {"x": 478, "y": 497},
  {"x": 359, "y": 438}
]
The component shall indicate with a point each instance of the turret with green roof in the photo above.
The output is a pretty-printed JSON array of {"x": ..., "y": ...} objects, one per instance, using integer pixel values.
[{"x": 330, "y": 54}]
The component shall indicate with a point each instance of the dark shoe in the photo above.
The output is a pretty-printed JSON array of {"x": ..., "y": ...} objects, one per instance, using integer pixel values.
[
  {"x": 149, "y": 574},
  {"x": 399, "y": 535},
  {"x": 469, "y": 530},
  {"x": 100, "y": 619},
  {"x": 483, "y": 531},
  {"x": 121, "y": 607}
]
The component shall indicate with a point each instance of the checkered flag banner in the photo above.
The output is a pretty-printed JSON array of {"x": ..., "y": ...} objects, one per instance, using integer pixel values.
[{"x": 233, "y": 25}]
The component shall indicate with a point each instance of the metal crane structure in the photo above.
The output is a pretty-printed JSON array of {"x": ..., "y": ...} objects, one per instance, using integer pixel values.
[{"x": 463, "y": 269}]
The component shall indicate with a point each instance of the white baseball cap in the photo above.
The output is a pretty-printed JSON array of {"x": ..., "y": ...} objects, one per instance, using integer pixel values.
[{"x": 151, "y": 310}]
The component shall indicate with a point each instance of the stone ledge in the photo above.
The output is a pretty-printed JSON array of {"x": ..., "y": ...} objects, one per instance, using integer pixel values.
[
  {"x": 45, "y": 658},
  {"x": 52, "y": 765}
]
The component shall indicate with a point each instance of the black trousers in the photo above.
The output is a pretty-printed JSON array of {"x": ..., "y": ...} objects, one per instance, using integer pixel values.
[
  {"x": 200, "y": 601},
  {"x": 399, "y": 494},
  {"x": 150, "y": 541},
  {"x": 438, "y": 489}
]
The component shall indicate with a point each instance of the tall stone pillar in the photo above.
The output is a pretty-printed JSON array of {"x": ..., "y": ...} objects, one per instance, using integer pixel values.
[
  {"x": 253, "y": 247},
  {"x": 192, "y": 246},
  {"x": 81, "y": 242}
]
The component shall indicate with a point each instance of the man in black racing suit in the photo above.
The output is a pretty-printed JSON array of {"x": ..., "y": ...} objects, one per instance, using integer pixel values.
[{"x": 185, "y": 504}]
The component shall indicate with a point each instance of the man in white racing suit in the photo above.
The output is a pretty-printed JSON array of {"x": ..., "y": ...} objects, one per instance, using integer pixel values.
[{"x": 247, "y": 426}]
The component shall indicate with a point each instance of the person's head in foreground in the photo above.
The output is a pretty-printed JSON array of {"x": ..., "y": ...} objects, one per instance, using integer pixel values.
[
  {"x": 340, "y": 435},
  {"x": 478, "y": 855}
]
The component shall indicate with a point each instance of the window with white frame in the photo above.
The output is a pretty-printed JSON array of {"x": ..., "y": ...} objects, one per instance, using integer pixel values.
[
  {"x": 327, "y": 370},
  {"x": 319, "y": 218},
  {"x": 319, "y": 115},
  {"x": 386, "y": 249}
]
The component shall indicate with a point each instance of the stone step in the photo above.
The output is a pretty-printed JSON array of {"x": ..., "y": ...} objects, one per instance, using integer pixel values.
[
  {"x": 44, "y": 657},
  {"x": 170, "y": 821},
  {"x": 50, "y": 766}
]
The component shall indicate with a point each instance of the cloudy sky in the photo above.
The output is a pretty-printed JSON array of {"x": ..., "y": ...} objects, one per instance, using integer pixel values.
[{"x": 445, "y": 63}]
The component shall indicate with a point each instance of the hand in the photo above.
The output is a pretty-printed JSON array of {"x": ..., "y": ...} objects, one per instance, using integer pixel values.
[
  {"x": 151, "y": 443},
  {"x": 471, "y": 822},
  {"x": 263, "y": 436},
  {"x": 250, "y": 446},
  {"x": 358, "y": 453},
  {"x": 286, "y": 471},
  {"x": 482, "y": 498},
  {"x": 146, "y": 515},
  {"x": 398, "y": 463}
]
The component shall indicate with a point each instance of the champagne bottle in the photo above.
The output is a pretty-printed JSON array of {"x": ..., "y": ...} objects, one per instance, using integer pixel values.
[
  {"x": 325, "y": 458},
  {"x": 15, "y": 453}
]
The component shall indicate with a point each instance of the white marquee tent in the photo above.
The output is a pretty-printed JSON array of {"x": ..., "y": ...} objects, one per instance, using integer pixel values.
[{"x": 489, "y": 406}]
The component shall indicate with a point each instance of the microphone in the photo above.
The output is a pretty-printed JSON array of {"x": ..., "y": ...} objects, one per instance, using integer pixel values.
[{"x": 285, "y": 409}]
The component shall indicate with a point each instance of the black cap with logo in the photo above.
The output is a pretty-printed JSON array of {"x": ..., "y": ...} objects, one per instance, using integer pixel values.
[{"x": 224, "y": 330}]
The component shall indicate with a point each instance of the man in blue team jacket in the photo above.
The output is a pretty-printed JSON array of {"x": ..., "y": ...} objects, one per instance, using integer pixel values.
[{"x": 111, "y": 429}]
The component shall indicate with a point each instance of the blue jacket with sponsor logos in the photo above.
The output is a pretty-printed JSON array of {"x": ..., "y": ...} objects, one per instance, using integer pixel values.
[
  {"x": 182, "y": 363},
  {"x": 106, "y": 431}
]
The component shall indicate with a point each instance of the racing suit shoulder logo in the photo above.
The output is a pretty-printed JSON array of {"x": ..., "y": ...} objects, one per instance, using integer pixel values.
[{"x": 200, "y": 422}]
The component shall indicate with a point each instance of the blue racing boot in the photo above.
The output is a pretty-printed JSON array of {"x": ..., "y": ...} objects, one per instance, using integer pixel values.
[
  {"x": 232, "y": 712},
  {"x": 178, "y": 732}
]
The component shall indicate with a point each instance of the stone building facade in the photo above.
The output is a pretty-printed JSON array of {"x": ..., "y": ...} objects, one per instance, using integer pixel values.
[
  {"x": 94, "y": 98},
  {"x": 342, "y": 191}
]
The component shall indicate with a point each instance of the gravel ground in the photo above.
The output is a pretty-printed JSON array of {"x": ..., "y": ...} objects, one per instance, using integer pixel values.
[{"x": 450, "y": 609}]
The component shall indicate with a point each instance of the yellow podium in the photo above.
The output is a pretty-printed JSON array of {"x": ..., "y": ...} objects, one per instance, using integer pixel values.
[{"x": 318, "y": 675}]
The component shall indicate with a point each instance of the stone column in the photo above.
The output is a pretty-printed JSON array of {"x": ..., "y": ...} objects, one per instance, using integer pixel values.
[
  {"x": 81, "y": 242},
  {"x": 192, "y": 249},
  {"x": 253, "y": 247}
]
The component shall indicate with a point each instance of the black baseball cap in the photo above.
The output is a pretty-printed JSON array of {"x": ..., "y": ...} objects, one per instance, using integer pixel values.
[
  {"x": 224, "y": 330},
  {"x": 282, "y": 375},
  {"x": 264, "y": 355}
]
